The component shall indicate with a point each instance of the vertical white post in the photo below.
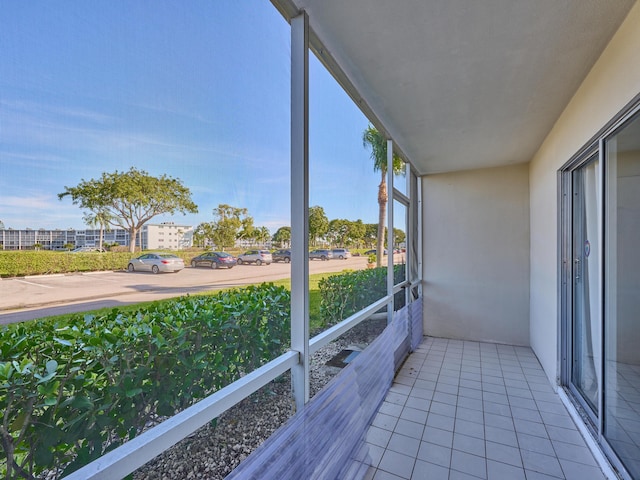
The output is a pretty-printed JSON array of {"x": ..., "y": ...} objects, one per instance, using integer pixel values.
[
  {"x": 390, "y": 306},
  {"x": 418, "y": 230},
  {"x": 300, "y": 207},
  {"x": 410, "y": 232}
]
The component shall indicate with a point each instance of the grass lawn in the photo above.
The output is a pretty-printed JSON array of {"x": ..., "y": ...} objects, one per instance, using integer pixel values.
[{"x": 315, "y": 321}]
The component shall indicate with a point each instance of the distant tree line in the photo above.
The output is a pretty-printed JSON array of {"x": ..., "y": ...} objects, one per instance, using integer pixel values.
[
  {"x": 229, "y": 225},
  {"x": 232, "y": 224},
  {"x": 341, "y": 232}
]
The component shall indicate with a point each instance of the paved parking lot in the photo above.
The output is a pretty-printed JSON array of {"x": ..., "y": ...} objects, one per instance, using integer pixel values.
[{"x": 34, "y": 297}]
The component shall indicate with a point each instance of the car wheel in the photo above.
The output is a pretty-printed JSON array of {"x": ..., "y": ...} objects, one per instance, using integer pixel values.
[
  {"x": 193, "y": 263},
  {"x": 258, "y": 262},
  {"x": 323, "y": 258},
  {"x": 214, "y": 265},
  {"x": 130, "y": 267},
  {"x": 287, "y": 260},
  {"x": 155, "y": 269},
  {"x": 239, "y": 261},
  {"x": 341, "y": 257}
]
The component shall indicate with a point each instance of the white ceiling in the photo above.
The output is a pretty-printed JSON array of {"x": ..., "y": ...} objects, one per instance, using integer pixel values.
[{"x": 463, "y": 84}]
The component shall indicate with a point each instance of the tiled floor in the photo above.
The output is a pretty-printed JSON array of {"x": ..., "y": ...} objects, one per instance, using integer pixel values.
[{"x": 467, "y": 410}]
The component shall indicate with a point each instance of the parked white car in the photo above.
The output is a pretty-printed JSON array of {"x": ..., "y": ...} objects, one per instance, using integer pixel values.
[
  {"x": 156, "y": 263},
  {"x": 258, "y": 257},
  {"x": 341, "y": 253}
]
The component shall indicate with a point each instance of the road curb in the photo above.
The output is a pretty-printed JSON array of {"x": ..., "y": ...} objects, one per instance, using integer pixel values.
[
  {"x": 57, "y": 275},
  {"x": 100, "y": 272},
  {"x": 32, "y": 277}
]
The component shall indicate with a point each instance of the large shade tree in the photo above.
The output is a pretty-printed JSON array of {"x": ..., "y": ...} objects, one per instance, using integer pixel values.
[
  {"x": 370, "y": 234},
  {"x": 399, "y": 236},
  {"x": 356, "y": 233},
  {"x": 130, "y": 199},
  {"x": 248, "y": 230},
  {"x": 318, "y": 224},
  {"x": 338, "y": 233},
  {"x": 226, "y": 229},
  {"x": 282, "y": 237},
  {"x": 374, "y": 140}
]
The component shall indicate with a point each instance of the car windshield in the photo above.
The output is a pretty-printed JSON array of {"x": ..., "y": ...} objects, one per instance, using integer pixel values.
[
  {"x": 222, "y": 254},
  {"x": 168, "y": 255}
]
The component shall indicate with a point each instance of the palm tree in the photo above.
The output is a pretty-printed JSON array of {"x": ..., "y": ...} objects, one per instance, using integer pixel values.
[
  {"x": 378, "y": 144},
  {"x": 101, "y": 218},
  {"x": 263, "y": 235}
]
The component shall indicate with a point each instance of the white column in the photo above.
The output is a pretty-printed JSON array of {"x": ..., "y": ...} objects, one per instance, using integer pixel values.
[
  {"x": 300, "y": 207},
  {"x": 417, "y": 201},
  {"x": 390, "y": 282}
]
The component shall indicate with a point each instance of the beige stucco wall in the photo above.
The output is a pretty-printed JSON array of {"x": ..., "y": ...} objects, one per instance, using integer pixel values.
[
  {"x": 609, "y": 86},
  {"x": 476, "y": 256}
]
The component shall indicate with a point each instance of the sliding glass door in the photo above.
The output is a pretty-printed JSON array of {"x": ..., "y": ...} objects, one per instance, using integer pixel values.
[
  {"x": 601, "y": 254},
  {"x": 586, "y": 337},
  {"x": 621, "y": 416}
]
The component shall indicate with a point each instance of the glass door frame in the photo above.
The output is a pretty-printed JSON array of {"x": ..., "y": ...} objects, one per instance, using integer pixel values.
[{"x": 566, "y": 176}]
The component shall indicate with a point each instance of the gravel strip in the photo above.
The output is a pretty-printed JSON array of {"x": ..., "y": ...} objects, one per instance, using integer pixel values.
[{"x": 214, "y": 450}]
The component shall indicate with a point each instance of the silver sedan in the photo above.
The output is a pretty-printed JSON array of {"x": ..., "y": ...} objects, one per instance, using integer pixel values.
[{"x": 156, "y": 262}]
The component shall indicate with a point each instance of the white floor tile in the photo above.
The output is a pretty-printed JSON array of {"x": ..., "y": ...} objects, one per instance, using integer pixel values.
[{"x": 468, "y": 410}]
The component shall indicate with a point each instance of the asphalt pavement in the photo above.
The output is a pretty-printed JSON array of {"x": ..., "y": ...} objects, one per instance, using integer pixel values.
[{"x": 28, "y": 298}]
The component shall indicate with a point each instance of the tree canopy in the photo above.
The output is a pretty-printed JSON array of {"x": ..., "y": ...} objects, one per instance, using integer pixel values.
[
  {"x": 226, "y": 228},
  {"x": 346, "y": 233},
  {"x": 318, "y": 224},
  {"x": 130, "y": 199},
  {"x": 282, "y": 236},
  {"x": 230, "y": 224}
]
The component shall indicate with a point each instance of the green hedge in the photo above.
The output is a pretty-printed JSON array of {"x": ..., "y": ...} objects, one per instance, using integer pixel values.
[
  {"x": 70, "y": 391},
  {"x": 21, "y": 263},
  {"x": 345, "y": 294}
]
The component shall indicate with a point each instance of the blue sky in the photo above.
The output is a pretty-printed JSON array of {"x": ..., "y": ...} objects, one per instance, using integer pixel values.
[{"x": 200, "y": 93}]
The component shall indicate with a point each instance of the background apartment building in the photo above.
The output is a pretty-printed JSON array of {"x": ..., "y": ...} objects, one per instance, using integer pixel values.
[
  {"x": 166, "y": 236},
  {"x": 162, "y": 236}
]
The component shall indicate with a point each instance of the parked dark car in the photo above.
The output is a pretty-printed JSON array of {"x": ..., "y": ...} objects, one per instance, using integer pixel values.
[
  {"x": 373, "y": 252},
  {"x": 214, "y": 260},
  {"x": 281, "y": 256},
  {"x": 320, "y": 254},
  {"x": 259, "y": 257}
]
